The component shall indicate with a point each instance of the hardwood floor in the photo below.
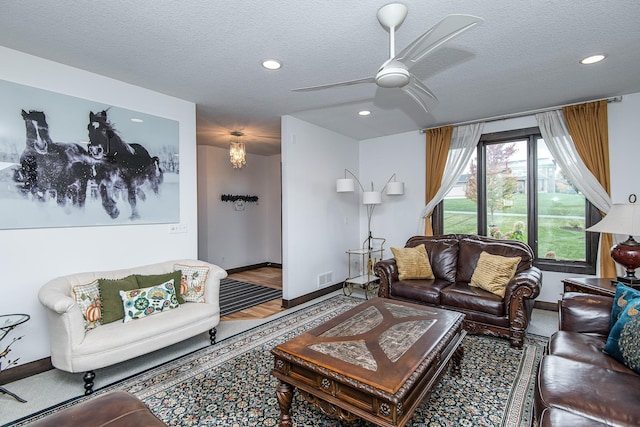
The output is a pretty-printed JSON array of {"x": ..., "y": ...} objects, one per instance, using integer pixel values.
[{"x": 265, "y": 276}]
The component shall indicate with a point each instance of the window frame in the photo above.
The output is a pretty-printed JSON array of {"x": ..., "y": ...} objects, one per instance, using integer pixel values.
[{"x": 592, "y": 215}]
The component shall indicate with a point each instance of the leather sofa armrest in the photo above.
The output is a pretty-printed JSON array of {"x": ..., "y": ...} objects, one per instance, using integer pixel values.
[
  {"x": 387, "y": 271},
  {"x": 586, "y": 313},
  {"x": 525, "y": 284}
]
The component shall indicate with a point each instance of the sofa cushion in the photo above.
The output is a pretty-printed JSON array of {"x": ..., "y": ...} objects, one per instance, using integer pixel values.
[
  {"x": 443, "y": 255},
  {"x": 88, "y": 299},
  {"x": 143, "y": 302},
  {"x": 192, "y": 282},
  {"x": 554, "y": 417},
  {"x": 422, "y": 291},
  {"x": 413, "y": 263},
  {"x": 463, "y": 296},
  {"x": 471, "y": 248},
  {"x": 585, "y": 348},
  {"x": 600, "y": 394},
  {"x": 623, "y": 339},
  {"x": 494, "y": 272},
  {"x": 624, "y": 294},
  {"x": 110, "y": 296},
  {"x": 146, "y": 280}
]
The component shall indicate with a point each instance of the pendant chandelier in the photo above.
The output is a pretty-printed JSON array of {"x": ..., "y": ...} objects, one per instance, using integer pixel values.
[{"x": 237, "y": 151}]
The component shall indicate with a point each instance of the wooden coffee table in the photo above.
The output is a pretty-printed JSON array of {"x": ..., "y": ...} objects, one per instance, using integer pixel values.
[{"x": 376, "y": 361}]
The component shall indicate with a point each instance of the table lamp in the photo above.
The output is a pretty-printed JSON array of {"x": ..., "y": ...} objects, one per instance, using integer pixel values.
[{"x": 623, "y": 219}]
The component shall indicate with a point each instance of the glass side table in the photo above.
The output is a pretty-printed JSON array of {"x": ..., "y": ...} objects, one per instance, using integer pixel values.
[{"x": 7, "y": 323}]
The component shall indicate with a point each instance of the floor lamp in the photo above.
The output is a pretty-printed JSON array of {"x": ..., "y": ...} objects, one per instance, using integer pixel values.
[
  {"x": 623, "y": 219},
  {"x": 370, "y": 198}
]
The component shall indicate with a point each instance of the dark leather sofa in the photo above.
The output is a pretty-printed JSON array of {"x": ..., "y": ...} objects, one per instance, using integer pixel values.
[
  {"x": 113, "y": 409},
  {"x": 578, "y": 384},
  {"x": 453, "y": 258}
]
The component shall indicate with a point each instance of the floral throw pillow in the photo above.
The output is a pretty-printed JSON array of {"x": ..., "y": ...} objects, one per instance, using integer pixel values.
[
  {"x": 88, "y": 299},
  {"x": 193, "y": 281},
  {"x": 144, "y": 302}
]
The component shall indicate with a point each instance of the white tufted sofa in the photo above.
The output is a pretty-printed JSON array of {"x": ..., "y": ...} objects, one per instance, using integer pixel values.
[{"x": 75, "y": 350}]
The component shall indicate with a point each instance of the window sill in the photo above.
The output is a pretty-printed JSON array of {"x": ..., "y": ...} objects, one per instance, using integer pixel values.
[{"x": 573, "y": 267}]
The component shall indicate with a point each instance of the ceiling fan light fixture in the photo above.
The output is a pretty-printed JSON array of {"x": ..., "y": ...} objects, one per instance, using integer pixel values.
[
  {"x": 393, "y": 75},
  {"x": 593, "y": 59}
]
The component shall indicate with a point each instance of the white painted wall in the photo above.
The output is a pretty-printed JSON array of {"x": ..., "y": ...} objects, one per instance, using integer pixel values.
[
  {"x": 31, "y": 257},
  {"x": 231, "y": 238},
  {"x": 319, "y": 225},
  {"x": 396, "y": 219}
]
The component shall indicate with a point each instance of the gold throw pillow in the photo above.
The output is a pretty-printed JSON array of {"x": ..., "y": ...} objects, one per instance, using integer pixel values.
[
  {"x": 494, "y": 272},
  {"x": 413, "y": 263}
]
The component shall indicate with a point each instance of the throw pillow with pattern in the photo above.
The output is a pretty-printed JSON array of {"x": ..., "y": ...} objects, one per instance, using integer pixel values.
[
  {"x": 144, "y": 302},
  {"x": 193, "y": 282},
  {"x": 494, "y": 272},
  {"x": 624, "y": 294},
  {"x": 622, "y": 342},
  {"x": 413, "y": 263},
  {"x": 88, "y": 299}
]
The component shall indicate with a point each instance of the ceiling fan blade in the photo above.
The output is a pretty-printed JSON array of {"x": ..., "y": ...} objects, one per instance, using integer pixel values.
[
  {"x": 420, "y": 93},
  {"x": 330, "y": 85},
  {"x": 448, "y": 28}
]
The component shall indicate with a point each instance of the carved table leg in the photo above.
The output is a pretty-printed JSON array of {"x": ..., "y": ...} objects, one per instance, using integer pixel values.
[
  {"x": 457, "y": 360},
  {"x": 284, "y": 393}
]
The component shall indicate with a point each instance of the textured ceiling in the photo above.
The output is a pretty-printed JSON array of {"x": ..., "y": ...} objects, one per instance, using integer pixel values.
[{"x": 525, "y": 56}]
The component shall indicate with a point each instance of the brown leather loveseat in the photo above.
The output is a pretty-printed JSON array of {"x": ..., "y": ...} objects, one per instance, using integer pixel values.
[
  {"x": 453, "y": 259},
  {"x": 578, "y": 384}
]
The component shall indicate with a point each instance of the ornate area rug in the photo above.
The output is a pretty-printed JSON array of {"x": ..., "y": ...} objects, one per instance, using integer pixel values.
[{"x": 229, "y": 383}]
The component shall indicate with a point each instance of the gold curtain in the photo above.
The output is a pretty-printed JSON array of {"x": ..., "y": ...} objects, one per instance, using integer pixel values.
[
  {"x": 438, "y": 143},
  {"x": 589, "y": 130}
]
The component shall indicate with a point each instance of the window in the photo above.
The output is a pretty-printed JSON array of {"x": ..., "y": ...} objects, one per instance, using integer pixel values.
[{"x": 513, "y": 189}]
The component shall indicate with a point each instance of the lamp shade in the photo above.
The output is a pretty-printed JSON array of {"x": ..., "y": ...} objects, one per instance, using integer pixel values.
[
  {"x": 621, "y": 219},
  {"x": 371, "y": 197},
  {"x": 344, "y": 185},
  {"x": 395, "y": 188}
]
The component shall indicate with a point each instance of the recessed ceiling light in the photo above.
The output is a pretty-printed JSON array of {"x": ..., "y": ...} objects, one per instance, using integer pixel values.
[
  {"x": 137, "y": 120},
  {"x": 364, "y": 113},
  {"x": 271, "y": 64},
  {"x": 593, "y": 59}
]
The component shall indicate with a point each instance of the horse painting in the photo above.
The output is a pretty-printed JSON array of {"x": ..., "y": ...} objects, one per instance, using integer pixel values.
[
  {"x": 121, "y": 166},
  {"x": 52, "y": 168}
]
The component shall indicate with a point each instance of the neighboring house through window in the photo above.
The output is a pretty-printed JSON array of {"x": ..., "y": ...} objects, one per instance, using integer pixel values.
[{"x": 513, "y": 189}]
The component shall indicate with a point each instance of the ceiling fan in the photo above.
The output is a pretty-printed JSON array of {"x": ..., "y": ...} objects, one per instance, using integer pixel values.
[{"x": 394, "y": 72}]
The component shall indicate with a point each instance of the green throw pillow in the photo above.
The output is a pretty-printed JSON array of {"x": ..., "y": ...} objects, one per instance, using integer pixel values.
[
  {"x": 110, "y": 296},
  {"x": 145, "y": 281}
]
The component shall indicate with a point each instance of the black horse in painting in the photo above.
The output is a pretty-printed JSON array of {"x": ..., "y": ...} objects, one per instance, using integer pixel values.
[
  {"x": 121, "y": 166},
  {"x": 52, "y": 168}
]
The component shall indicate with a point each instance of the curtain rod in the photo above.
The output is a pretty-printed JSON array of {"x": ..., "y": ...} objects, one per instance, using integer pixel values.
[{"x": 524, "y": 113}]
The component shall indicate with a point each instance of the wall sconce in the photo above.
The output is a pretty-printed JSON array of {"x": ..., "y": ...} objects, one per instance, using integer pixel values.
[
  {"x": 237, "y": 151},
  {"x": 623, "y": 219},
  {"x": 370, "y": 198}
]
